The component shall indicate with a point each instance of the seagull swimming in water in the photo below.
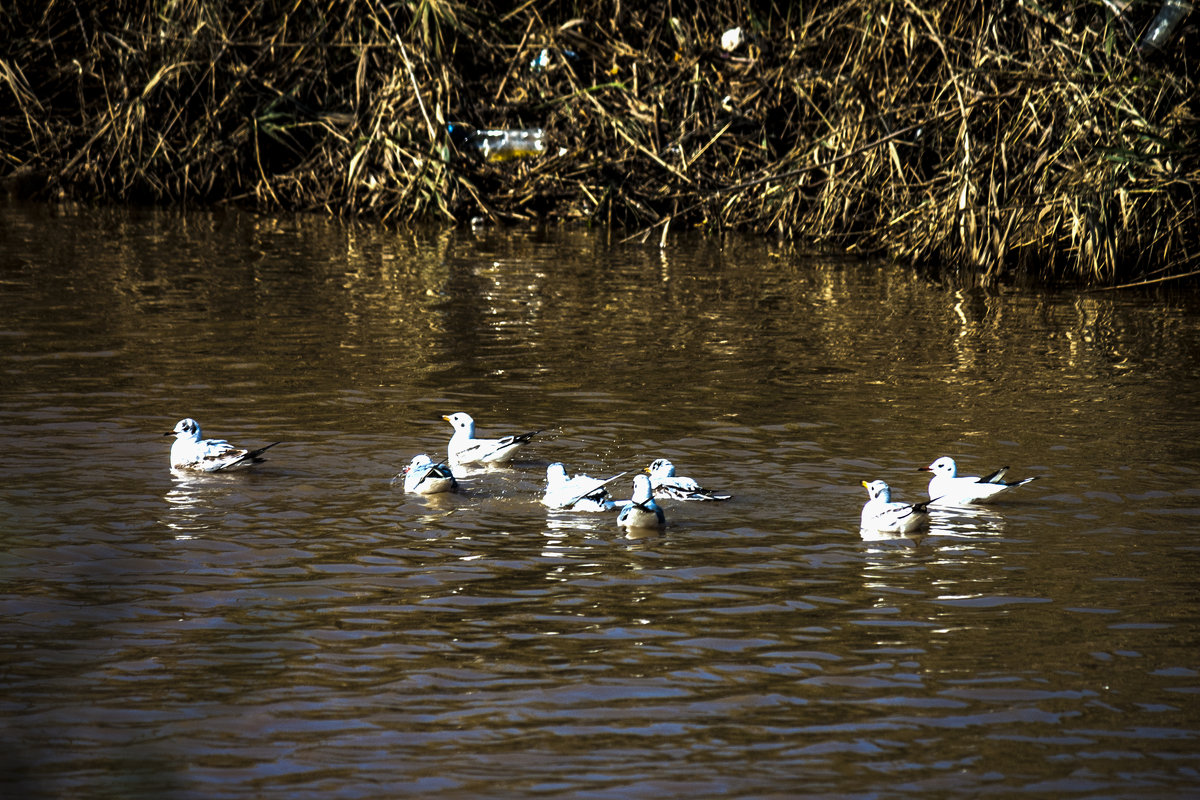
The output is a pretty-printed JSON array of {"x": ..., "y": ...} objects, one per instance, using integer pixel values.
[
  {"x": 882, "y": 515},
  {"x": 947, "y": 488},
  {"x": 668, "y": 485},
  {"x": 577, "y": 493},
  {"x": 464, "y": 448},
  {"x": 191, "y": 452},
  {"x": 641, "y": 511},
  {"x": 422, "y": 476}
]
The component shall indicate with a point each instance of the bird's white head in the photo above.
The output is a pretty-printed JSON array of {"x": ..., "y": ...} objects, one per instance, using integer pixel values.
[
  {"x": 418, "y": 462},
  {"x": 462, "y": 423},
  {"x": 556, "y": 474},
  {"x": 186, "y": 428},
  {"x": 661, "y": 468},
  {"x": 944, "y": 467},
  {"x": 878, "y": 490},
  {"x": 641, "y": 489}
]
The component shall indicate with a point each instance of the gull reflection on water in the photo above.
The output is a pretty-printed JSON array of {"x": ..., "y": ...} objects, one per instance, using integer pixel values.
[
  {"x": 966, "y": 521},
  {"x": 962, "y": 522},
  {"x": 191, "y": 501},
  {"x": 560, "y": 523},
  {"x": 642, "y": 534},
  {"x": 904, "y": 572},
  {"x": 562, "y": 529},
  {"x": 911, "y": 539},
  {"x": 439, "y": 504},
  {"x": 602, "y": 526}
]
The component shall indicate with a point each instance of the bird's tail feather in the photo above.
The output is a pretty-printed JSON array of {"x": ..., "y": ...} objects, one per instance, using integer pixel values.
[{"x": 254, "y": 455}]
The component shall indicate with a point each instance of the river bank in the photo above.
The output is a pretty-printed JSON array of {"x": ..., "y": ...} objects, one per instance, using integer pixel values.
[{"x": 983, "y": 143}]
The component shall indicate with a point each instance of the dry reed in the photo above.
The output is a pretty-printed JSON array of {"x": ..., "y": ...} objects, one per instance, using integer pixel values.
[{"x": 983, "y": 141}]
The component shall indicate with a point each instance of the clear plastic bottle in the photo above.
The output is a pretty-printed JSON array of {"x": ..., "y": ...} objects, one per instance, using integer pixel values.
[
  {"x": 1170, "y": 14},
  {"x": 500, "y": 144}
]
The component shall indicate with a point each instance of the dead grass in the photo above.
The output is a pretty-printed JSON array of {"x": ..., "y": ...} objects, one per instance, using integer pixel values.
[{"x": 984, "y": 142}]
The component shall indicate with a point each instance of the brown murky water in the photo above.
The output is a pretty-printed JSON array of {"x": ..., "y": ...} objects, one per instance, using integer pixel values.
[{"x": 308, "y": 630}]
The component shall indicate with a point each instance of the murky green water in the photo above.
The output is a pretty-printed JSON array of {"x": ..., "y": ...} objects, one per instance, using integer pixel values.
[{"x": 307, "y": 630}]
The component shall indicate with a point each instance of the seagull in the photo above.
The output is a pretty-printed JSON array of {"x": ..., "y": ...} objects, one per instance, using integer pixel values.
[
  {"x": 641, "y": 511},
  {"x": 946, "y": 488},
  {"x": 668, "y": 485},
  {"x": 579, "y": 493},
  {"x": 191, "y": 452},
  {"x": 466, "y": 449},
  {"x": 425, "y": 477},
  {"x": 882, "y": 515}
]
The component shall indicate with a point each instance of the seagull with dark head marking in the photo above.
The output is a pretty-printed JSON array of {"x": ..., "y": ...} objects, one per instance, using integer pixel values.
[
  {"x": 668, "y": 485},
  {"x": 190, "y": 451},
  {"x": 423, "y": 476}
]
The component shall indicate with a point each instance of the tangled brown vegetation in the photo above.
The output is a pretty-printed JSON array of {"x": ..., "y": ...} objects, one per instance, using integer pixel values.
[{"x": 981, "y": 140}]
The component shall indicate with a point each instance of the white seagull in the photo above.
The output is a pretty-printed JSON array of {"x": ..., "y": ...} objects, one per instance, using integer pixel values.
[
  {"x": 641, "y": 511},
  {"x": 947, "y": 488},
  {"x": 882, "y": 515},
  {"x": 422, "y": 476},
  {"x": 464, "y": 448},
  {"x": 668, "y": 485},
  {"x": 191, "y": 452},
  {"x": 578, "y": 493}
]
